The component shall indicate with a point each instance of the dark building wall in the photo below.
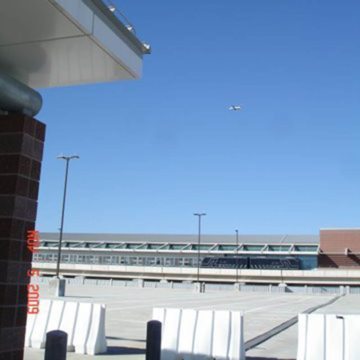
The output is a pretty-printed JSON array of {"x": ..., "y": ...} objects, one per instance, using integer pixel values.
[
  {"x": 340, "y": 248},
  {"x": 308, "y": 262},
  {"x": 339, "y": 261},
  {"x": 21, "y": 149}
]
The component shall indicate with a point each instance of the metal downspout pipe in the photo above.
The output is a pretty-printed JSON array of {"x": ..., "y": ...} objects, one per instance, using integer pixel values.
[{"x": 16, "y": 97}]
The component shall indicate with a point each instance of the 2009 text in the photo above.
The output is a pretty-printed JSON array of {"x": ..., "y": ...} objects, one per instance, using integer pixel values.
[{"x": 33, "y": 295}]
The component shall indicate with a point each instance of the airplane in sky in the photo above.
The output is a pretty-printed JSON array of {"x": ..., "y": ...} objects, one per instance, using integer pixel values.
[{"x": 235, "y": 107}]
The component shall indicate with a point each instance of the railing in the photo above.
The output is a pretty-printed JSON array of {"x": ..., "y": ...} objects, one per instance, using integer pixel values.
[
  {"x": 267, "y": 288},
  {"x": 113, "y": 9}
]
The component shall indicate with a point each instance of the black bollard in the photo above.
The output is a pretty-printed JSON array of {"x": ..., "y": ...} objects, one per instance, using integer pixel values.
[
  {"x": 55, "y": 347},
  {"x": 153, "y": 340}
]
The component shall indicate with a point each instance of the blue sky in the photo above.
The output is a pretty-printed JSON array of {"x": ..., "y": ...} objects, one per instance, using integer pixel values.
[{"x": 154, "y": 151}]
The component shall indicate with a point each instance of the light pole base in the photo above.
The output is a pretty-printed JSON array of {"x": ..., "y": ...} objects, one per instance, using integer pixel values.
[
  {"x": 283, "y": 287},
  {"x": 57, "y": 286},
  {"x": 199, "y": 287},
  {"x": 237, "y": 286}
]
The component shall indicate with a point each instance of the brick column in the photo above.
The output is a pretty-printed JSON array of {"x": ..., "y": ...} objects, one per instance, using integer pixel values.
[{"x": 21, "y": 149}]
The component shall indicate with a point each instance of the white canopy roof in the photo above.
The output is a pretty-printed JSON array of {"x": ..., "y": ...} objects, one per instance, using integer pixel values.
[{"x": 45, "y": 43}]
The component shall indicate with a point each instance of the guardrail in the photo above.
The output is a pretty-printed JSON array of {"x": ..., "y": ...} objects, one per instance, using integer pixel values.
[
  {"x": 293, "y": 277},
  {"x": 311, "y": 290}
]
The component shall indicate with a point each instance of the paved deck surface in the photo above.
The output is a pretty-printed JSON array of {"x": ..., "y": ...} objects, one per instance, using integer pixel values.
[
  {"x": 128, "y": 310},
  {"x": 279, "y": 344}
]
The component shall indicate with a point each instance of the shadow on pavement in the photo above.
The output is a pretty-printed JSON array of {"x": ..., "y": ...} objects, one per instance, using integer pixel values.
[
  {"x": 126, "y": 339},
  {"x": 121, "y": 350},
  {"x": 78, "y": 296},
  {"x": 264, "y": 358}
]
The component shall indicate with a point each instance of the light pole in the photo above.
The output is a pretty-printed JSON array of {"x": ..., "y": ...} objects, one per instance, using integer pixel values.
[
  {"x": 281, "y": 270},
  {"x": 67, "y": 159},
  {"x": 199, "y": 215},
  {"x": 237, "y": 254}
]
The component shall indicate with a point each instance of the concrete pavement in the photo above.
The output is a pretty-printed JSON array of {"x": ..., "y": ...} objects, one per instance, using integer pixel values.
[{"x": 128, "y": 310}]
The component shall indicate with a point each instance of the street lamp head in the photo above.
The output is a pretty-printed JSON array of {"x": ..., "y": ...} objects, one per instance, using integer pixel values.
[
  {"x": 199, "y": 214},
  {"x": 63, "y": 157}
]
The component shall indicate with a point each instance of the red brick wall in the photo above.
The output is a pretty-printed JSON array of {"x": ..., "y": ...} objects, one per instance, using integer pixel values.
[
  {"x": 21, "y": 149},
  {"x": 333, "y": 244}
]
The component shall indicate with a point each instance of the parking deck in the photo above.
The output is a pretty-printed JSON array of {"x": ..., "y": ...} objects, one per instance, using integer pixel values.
[{"x": 128, "y": 310}]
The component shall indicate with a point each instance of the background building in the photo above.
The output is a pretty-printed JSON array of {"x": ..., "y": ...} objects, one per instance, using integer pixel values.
[
  {"x": 340, "y": 248},
  {"x": 294, "y": 259}
]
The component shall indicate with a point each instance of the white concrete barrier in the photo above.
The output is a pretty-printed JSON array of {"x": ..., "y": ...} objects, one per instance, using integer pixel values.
[
  {"x": 328, "y": 337},
  {"x": 30, "y": 321},
  {"x": 170, "y": 339},
  {"x": 68, "y": 323},
  {"x": 187, "y": 333},
  {"x": 200, "y": 334},
  {"x": 203, "y": 334},
  {"x": 96, "y": 342},
  {"x": 352, "y": 339},
  {"x": 237, "y": 346},
  {"x": 83, "y": 322},
  {"x": 82, "y": 327},
  {"x": 38, "y": 334},
  {"x": 55, "y": 315}
]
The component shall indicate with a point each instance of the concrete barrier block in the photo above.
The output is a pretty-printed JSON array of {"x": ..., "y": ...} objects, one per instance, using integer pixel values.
[
  {"x": 203, "y": 333},
  {"x": 82, "y": 327},
  {"x": 334, "y": 337},
  {"x": 236, "y": 346},
  {"x": 84, "y": 324},
  {"x": 170, "y": 334},
  {"x": 96, "y": 342},
  {"x": 352, "y": 337},
  {"x": 302, "y": 326},
  {"x": 38, "y": 335},
  {"x": 55, "y": 315},
  {"x": 311, "y": 337},
  {"x": 221, "y": 334},
  {"x": 187, "y": 333},
  {"x": 159, "y": 314},
  {"x": 315, "y": 340},
  {"x": 68, "y": 322},
  {"x": 328, "y": 337}
]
